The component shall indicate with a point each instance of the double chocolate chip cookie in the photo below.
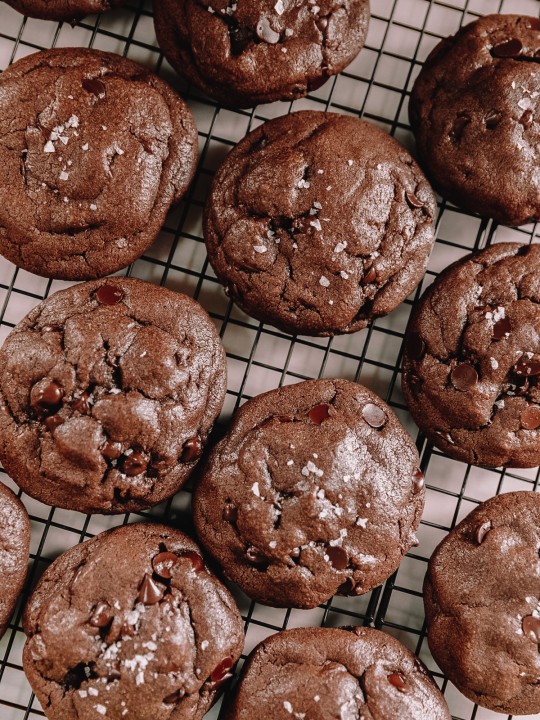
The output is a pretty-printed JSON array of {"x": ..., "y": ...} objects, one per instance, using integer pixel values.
[
  {"x": 130, "y": 624},
  {"x": 315, "y": 490},
  {"x": 108, "y": 391},
  {"x": 245, "y": 52},
  {"x": 69, "y": 10},
  {"x": 482, "y": 599},
  {"x": 472, "y": 358},
  {"x": 475, "y": 113},
  {"x": 317, "y": 223},
  {"x": 14, "y": 549},
  {"x": 94, "y": 150},
  {"x": 323, "y": 673}
]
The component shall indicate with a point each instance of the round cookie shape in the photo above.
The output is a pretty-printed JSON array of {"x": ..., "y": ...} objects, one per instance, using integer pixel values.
[
  {"x": 62, "y": 9},
  {"x": 130, "y": 623},
  {"x": 474, "y": 111},
  {"x": 14, "y": 552},
  {"x": 472, "y": 358},
  {"x": 315, "y": 490},
  {"x": 247, "y": 52},
  {"x": 317, "y": 223},
  {"x": 322, "y": 673},
  {"x": 482, "y": 601},
  {"x": 95, "y": 149},
  {"x": 108, "y": 391}
]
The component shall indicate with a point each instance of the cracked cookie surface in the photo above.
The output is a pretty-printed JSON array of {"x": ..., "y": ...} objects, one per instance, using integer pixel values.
[
  {"x": 472, "y": 358},
  {"x": 108, "y": 391},
  {"x": 94, "y": 150},
  {"x": 314, "y": 490},
  {"x": 63, "y": 9},
  {"x": 14, "y": 550},
  {"x": 322, "y": 673},
  {"x": 245, "y": 52},
  {"x": 475, "y": 113},
  {"x": 482, "y": 600},
  {"x": 130, "y": 624},
  {"x": 317, "y": 223}
]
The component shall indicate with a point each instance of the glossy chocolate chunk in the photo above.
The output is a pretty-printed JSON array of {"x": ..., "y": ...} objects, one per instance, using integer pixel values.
[
  {"x": 464, "y": 377},
  {"x": 374, "y": 415}
]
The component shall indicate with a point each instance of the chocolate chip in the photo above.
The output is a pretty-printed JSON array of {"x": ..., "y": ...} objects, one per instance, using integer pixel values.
[
  {"x": 81, "y": 404},
  {"x": 371, "y": 275},
  {"x": 347, "y": 587},
  {"x": 266, "y": 32},
  {"x": 53, "y": 421},
  {"x": 531, "y": 628},
  {"x": 94, "y": 86},
  {"x": 482, "y": 531},
  {"x": 337, "y": 556},
  {"x": 530, "y": 418},
  {"x": 150, "y": 592},
  {"x": 255, "y": 556},
  {"x": 173, "y": 698},
  {"x": 102, "y": 615},
  {"x": 164, "y": 563},
  {"x": 46, "y": 395},
  {"x": 460, "y": 123},
  {"x": 222, "y": 670},
  {"x": 109, "y": 295},
  {"x": 111, "y": 450},
  {"x": 419, "y": 482},
  {"x": 240, "y": 38},
  {"x": 413, "y": 201},
  {"x": 191, "y": 450},
  {"x": 374, "y": 415},
  {"x": 230, "y": 513},
  {"x": 463, "y": 377},
  {"x": 527, "y": 367},
  {"x": 134, "y": 464},
  {"x": 509, "y": 49},
  {"x": 527, "y": 118},
  {"x": 492, "y": 119},
  {"x": 501, "y": 329},
  {"x": 195, "y": 559},
  {"x": 399, "y": 681},
  {"x": 416, "y": 347},
  {"x": 319, "y": 413}
]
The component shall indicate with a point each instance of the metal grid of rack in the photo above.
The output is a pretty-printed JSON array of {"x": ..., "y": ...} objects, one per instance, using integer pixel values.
[{"x": 376, "y": 86}]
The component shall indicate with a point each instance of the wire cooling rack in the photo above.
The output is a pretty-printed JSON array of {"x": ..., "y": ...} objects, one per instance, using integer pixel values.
[{"x": 376, "y": 85}]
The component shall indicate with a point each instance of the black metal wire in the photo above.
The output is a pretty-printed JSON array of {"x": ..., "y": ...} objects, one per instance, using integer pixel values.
[{"x": 178, "y": 261}]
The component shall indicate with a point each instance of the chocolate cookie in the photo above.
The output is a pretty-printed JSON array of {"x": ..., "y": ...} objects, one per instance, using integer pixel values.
[
  {"x": 317, "y": 223},
  {"x": 323, "y": 673},
  {"x": 482, "y": 599},
  {"x": 14, "y": 549},
  {"x": 108, "y": 391},
  {"x": 245, "y": 52},
  {"x": 472, "y": 358},
  {"x": 130, "y": 624},
  {"x": 474, "y": 111},
  {"x": 94, "y": 150},
  {"x": 62, "y": 9},
  {"x": 314, "y": 490}
]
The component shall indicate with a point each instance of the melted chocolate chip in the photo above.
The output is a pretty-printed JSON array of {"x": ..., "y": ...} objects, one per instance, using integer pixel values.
[
  {"x": 337, "y": 556},
  {"x": 111, "y": 450},
  {"x": 463, "y": 377},
  {"x": 374, "y": 415},
  {"x": 413, "y": 201},
  {"x": 240, "y": 38},
  {"x": 482, "y": 531},
  {"x": 109, "y": 295},
  {"x": 530, "y": 418},
  {"x": 460, "y": 123},
  {"x": 416, "y": 347},
  {"x": 347, "y": 587},
  {"x": 255, "y": 556},
  {"x": 94, "y": 86},
  {"x": 492, "y": 119},
  {"x": 501, "y": 329},
  {"x": 195, "y": 559},
  {"x": 531, "y": 628},
  {"x": 53, "y": 421},
  {"x": 527, "y": 368},
  {"x": 102, "y": 615},
  {"x": 371, "y": 275},
  {"x": 173, "y": 698},
  {"x": 81, "y": 404},
  {"x": 164, "y": 563},
  {"x": 150, "y": 592},
  {"x": 419, "y": 482},
  {"x": 134, "y": 464},
  {"x": 191, "y": 450},
  {"x": 319, "y": 413},
  {"x": 527, "y": 119},
  {"x": 46, "y": 395},
  {"x": 230, "y": 513},
  {"x": 509, "y": 49},
  {"x": 219, "y": 673},
  {"x": 266, "y": 32},
  {"x": 399, "y": 681}
]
